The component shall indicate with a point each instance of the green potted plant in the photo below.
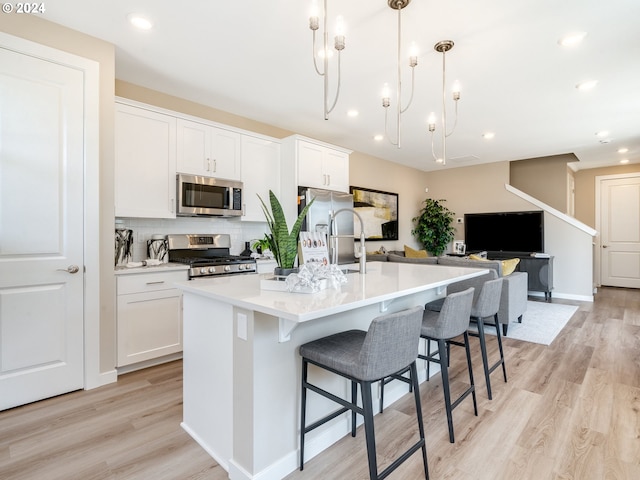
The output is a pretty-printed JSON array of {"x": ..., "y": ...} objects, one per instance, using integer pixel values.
[
  {"x": 282, "y": 243},
  {"x": 433, "y": 227}
]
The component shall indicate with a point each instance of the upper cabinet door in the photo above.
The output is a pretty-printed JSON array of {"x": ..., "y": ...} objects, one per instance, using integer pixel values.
[
  {"x": 225, "y": 154},
  {"x": 193, "y": 147},
  {"x": 322, "y": 167},
  {"x": 260, "y": 167},
  {"x": 207, "y": 150},
  {"x": 145, "y": 166},
  {"x": 336, "y": 169}
]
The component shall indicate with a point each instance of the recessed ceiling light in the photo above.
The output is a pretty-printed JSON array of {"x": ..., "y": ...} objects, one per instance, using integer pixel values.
[
  {"x": 585, "y": 86},
  {"x": 624, "y": 160},
  {"x": 572, "y": 39},
  {"x": 623, "y": 150},
  {"x": 602, "y": 133},
  {"x": 378, "y": 138},
  {"x": 352, "y": 113},
  {"x": 139, "y": 21},
  {"x": 488, "y": 135}
]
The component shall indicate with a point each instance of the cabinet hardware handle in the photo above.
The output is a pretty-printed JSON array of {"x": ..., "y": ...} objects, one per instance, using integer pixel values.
[
  {"x": 328, "y": 179},
  {"x": 215, "y": 165},
  {"x": 156, "y": 283},
  {"x": 605, "y": 246},
  {"x": 208, "y": 164}
]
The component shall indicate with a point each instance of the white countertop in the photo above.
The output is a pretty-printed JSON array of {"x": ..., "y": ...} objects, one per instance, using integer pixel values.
[
  {"x": 163, "y": 267},
  {"x": 384, "y": 281}
]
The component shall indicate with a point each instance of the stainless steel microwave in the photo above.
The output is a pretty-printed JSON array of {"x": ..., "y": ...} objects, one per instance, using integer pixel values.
[{"x": 207, "y": 196}]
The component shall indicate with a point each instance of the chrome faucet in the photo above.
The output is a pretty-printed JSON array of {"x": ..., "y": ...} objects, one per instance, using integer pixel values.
[{"x": 363, "y": 251}]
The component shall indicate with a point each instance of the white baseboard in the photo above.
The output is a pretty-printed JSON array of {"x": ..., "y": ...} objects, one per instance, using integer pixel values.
[
  {"x": 149, "y": 363},
  {"x": 220, "y": 461},
  {"x": 104, "y": 378}
]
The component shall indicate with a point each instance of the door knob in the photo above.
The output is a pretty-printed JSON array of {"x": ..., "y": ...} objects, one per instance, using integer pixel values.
[{"x": 69, "y": 269}]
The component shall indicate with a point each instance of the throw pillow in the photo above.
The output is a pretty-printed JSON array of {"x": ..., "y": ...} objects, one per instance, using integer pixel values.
[
  {"x": 412, "y": 253},
  {"x": 508, "y": 266}
]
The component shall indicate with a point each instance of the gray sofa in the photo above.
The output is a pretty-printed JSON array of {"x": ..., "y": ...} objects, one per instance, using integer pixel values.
[{"x": 513, "y": 301}]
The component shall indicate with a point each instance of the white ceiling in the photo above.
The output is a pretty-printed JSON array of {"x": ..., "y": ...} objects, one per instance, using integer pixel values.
[{"x": 253, "y": 58}]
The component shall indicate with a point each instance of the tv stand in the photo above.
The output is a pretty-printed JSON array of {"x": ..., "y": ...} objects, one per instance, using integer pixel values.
[{"x": 539, "y": 270}]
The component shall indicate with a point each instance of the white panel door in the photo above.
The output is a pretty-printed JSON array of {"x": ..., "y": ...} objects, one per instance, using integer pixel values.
[
  {"x": 41, "y": 229},
  {"x": 620, "y": 231}
]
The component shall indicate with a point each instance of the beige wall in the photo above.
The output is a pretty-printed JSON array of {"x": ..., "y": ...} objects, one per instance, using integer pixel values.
[
  {"x": 544, "y": 178},
  {"x": 41, "y": 31},
  {"x": 474, "y": 189},
  {"x": 153, "y": 97},
  {"x": 586, "y": 193}
]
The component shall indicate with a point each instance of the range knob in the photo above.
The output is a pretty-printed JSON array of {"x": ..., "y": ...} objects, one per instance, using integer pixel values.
[
  {"x": 241, "y": 267},
  {"x": 203, "y": 271},
  {"x": 227, "y": 268},
  {"x": 212, "y": 269}
]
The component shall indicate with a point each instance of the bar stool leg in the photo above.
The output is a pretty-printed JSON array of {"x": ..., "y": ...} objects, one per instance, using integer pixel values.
[
  {"x": 444, "y": 372},
  {"x": 504, "y": 368},
  {"x": 416, "y": 395},
  {"x": 428, "y": 355},
  {"x": 303, "y": 410},
  {"x": 471, "y": 382},
  {"x": 483, "y": 350},
  {"x": 367, "y": 406},
  {"x": 354, "y": 393}
]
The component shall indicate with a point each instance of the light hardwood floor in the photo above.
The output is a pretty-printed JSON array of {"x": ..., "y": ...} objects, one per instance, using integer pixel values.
[{"x": 569, "y": 411}]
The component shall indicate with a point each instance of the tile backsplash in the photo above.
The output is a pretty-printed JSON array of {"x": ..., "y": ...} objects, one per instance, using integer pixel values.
[{"x": 145, "y": 228}]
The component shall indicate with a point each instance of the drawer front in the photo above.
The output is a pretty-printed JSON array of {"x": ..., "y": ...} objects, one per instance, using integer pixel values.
[{"x": 149, "y": 282}]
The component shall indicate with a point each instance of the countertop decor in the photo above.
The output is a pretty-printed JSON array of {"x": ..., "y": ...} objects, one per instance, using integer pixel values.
[{"x": 282, "y": 243}]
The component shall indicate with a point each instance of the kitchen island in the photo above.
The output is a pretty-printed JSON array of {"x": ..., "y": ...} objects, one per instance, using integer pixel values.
[{"x": 242, "y": 368}]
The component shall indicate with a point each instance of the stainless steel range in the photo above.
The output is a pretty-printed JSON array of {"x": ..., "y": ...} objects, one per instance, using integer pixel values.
[{"x": 208, "y": 255}]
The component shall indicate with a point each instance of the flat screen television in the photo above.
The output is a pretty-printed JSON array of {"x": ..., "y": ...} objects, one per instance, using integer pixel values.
[{"x": 514, "y": 232}]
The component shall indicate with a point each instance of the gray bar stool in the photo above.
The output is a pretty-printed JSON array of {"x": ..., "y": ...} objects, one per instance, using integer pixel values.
[
  {"x": 441, "y": 326},
  {"x": 484, "y": 307},
  {"x": 389, "y": 347}
]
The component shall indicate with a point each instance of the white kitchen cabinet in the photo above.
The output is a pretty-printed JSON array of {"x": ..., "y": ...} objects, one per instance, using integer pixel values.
[
  {"x": 145, "y": 163},
  {"x": 265, "y": 265},
  {"x": 321, "y": 166},
  {"x": 260, "y": 168},
  {"x": 204, "y": 149},
  {"x": 306, "y": 162},
  {"x": 149, "y": 316}
]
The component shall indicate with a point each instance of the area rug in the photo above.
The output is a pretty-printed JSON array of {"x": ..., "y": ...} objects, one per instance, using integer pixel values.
[{"x": 541, "y": 323}]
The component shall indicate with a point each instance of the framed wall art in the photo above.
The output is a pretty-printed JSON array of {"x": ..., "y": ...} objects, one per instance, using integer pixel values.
[{"x": 379, "y": 212}]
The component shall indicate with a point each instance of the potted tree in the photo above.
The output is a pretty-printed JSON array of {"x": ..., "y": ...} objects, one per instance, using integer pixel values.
[
  {"x": 433, "y": 227},
  {"x": 282, "y": 243}
]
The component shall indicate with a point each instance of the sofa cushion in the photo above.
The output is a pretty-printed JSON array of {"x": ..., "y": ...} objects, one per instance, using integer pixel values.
[{"x": 412, "y": 253}]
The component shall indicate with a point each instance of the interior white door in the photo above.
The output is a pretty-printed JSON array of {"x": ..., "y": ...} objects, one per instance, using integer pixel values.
[
  {"x": 620, "y": 231},
  {"x": 41, "y": 228}
]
